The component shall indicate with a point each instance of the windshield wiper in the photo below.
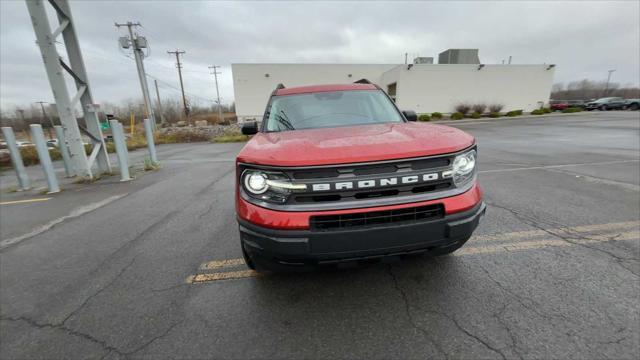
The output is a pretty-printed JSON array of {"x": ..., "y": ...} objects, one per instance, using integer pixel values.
[{"x": 282, "y": 118}]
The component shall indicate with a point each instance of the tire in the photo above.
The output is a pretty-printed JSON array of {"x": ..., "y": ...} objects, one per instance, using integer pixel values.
[
  {"x": 604, "y": 108},
  {"x": 634, "y": 107},
  {"x": 448, "y": 249}
]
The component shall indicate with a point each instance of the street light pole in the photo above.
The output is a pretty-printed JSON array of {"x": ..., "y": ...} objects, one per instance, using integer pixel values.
[{"x": 606, "y": 88}]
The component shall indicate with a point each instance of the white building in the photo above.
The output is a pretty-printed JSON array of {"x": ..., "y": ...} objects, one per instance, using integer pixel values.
[{"x": 424, "y": 88}]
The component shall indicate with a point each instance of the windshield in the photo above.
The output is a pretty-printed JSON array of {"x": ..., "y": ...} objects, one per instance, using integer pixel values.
[{"x": 330, "y": 109}]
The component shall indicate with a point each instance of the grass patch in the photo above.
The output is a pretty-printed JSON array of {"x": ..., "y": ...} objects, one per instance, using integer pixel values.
[{"x": 232, "y": 136}]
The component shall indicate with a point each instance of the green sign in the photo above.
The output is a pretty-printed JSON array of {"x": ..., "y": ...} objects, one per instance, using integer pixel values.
[{"x": 104, "y": 125}]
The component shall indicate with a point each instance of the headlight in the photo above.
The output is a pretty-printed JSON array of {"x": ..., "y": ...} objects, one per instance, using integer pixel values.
[
  {"x": 256, "y": 182},
  {"x": 464, "y": 167},
  {"x": 269, "y": 186}
]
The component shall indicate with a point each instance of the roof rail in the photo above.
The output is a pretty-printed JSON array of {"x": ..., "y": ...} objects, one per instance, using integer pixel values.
[
  {"x": 278, "y": 87},
  {"x": 362, "y": 81}
]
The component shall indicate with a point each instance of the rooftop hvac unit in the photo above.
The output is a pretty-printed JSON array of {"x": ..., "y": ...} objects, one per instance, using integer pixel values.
[{"x": 423, "y": 60}]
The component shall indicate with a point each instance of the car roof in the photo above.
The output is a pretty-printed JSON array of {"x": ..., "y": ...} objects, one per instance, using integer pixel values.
[{"x": 323, "y": 88}]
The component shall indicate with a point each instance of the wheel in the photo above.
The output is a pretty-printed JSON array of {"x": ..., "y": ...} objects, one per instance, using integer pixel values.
[
  {"x": 604, "y": 108},
  {"x": 247, "y": 258},
  {"x": 634, "y": 107},
  {"x": 448, "y": 249}
]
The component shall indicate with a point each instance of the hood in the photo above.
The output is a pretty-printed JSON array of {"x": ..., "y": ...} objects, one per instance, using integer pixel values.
[{"x": 353, "y": 144}]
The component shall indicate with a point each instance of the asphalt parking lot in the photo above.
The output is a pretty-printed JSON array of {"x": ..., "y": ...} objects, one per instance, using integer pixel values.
[{"x": 154, "y": 270}]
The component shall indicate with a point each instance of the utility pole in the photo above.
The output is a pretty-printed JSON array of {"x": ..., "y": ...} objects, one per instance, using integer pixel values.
[
  {"x": 159, "y": 103},
  {"x": 405, "y": 58},
  {"x": 21, "y": 112},
  {"x": 215, "y": 75},
  {"x": 55, "y": 67},
  {"x": 45, "y": 116},
  {"x": 606, "y": 88},
  {"x": 138, "y": 43},
  {"x": 179, "y": 66}
]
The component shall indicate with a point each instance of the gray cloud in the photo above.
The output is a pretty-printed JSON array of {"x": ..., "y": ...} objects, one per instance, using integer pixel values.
[{"x": 584, "y": 39}]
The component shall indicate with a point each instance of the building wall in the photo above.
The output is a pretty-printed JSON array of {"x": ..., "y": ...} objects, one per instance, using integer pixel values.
[
  {"x": 429, "y": 88},
  {"x": 423, "y": 88},
  {"x": 252, "y": 88}
]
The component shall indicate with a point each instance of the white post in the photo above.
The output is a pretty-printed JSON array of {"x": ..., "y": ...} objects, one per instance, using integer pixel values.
[
  {"x": 45, "y": 159},
  {"x": 16, "y": 158},
  {"x": 150, "y": 144},
  {"x": 64, "y": 151},
  {"x": 121, "y": 149}
]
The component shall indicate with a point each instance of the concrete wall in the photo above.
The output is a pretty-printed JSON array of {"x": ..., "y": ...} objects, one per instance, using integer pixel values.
[
  {"x": 424, "y": 88},
  {"x": 252, "y": 88}
]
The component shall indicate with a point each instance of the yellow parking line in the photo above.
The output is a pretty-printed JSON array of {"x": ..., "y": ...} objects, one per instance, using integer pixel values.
[
  {"x": 577, "y": 229},
  {"x": 486, "y": 244},
  {"x": 222, "y": 276},
  {"x": 24, "y": 201},
  {"x": 217, "y": 264},
  {"x": 539, "y": 244}
]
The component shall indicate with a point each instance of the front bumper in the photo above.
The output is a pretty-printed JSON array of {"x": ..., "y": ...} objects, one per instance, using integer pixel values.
[{"x": 275, "y": 248}]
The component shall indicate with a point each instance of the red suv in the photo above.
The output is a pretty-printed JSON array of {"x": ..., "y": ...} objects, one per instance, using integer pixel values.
[{"x": 337, "y": 174}]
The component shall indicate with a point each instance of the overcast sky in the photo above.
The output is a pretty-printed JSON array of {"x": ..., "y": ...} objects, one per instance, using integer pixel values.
[{"x": 584, "y": 39}]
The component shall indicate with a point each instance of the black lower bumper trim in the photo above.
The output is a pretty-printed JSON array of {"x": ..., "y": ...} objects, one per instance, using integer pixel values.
[{"x": 308, "y": 247}]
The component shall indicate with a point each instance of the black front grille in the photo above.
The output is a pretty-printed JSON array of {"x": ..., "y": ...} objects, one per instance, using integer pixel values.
[{"x": 374, "y": 218}]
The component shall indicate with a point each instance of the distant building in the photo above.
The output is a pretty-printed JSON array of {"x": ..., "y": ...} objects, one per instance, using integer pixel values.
[
  {"x": 421, "y": 87},
  {"x": 459, "y": 56}
]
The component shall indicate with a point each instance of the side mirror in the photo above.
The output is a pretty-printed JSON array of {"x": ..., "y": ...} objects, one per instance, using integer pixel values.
[
  {"x": 250, "y": 128},
  {"x": 410, "y": 115}
]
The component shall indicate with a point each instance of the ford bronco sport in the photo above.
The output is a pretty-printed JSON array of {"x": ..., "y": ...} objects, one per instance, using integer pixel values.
[{"x": 337, "y": 174}]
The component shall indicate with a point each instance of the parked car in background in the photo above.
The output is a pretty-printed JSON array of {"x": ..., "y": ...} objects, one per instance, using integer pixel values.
[
  {"x": 577, "y": 103},
  {"x": 632, "y": 104},
  {"x": 24, "y": 143},
  {"x": 558, "y": 105},
  {"x": 608, "y": 103},
  {"x": 52, "y": 143}
]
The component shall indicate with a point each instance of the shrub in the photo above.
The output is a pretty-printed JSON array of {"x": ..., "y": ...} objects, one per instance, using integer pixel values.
[
  {"x": 572, "y": 110},
  {"x": 514, "y": 113},
  {"x": 463, "y": 108},
  {"x": 494, "y": 115},
  {"x": 30, "y": 155},
  {"x": 537, "y": 112},
  {"x": 436, "y": 115},
  {"x": 424, "y": 117},
  {"x": 479, "y": 108},
  {"x": 457, "y": 116},
  {"x": 476, "y": 115},
  {"x": 496, "y": 108},
  {"x": 546, "y": 110},
  {"x": 180, "y": 137}
]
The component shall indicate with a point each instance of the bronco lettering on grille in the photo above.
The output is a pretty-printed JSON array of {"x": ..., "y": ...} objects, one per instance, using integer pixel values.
[{"x": 382, "y": 182}]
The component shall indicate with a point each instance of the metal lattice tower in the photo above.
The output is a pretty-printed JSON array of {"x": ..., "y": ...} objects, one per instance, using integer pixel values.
[{"x": 56, "y": 67}]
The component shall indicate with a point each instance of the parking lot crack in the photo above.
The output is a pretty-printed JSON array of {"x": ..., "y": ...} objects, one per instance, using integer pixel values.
[
  {"x": 67, "y": 330},
  {"x": 155, "y": 338},
  {"x": 565, "y": 234},
  {"x": 88, "y": 299},
  {"x": 407, "y": 308}
]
